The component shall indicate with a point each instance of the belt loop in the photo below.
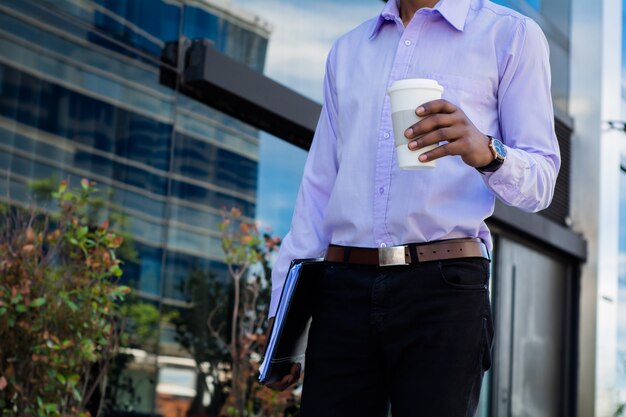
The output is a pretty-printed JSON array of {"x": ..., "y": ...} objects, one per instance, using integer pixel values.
[
  {"x": 346, "y": 255},
  {"x": 413, "y": 253},
  {"x": 486, "y": 250}
]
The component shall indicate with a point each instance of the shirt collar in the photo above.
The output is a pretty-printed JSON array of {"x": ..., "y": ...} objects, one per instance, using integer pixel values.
[{"x": 454, "y": 11}]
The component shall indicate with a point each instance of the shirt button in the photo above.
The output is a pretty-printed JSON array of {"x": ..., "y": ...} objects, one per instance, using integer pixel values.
[
  {"x": 383, "y": 245},
  {"x": 386, "y": 135},
  {"x": 407, "y": 42},
  {"x": 381, "y": 190}
]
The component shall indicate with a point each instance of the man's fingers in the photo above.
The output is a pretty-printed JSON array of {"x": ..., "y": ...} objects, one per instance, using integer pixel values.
[
  {"x": 430, "y": 123},
  {"x": 287, "y": 380},
  {"x": 295, "y": 370},
  {"x": 435, "y": 106},
  {"x": 282, "y": 384},
  {"x": 435, "y": 114},
  {"x": 441, "y": 151},
  {"x": 291, "y": 377},
  {"x": 439, "y": 135}
]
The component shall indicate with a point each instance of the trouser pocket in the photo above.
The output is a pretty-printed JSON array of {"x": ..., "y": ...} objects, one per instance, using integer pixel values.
[{"x": 469, "y": 274}]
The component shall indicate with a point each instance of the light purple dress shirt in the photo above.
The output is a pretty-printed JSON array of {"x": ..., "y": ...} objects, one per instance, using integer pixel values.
[{"x": 492, "y": 63}]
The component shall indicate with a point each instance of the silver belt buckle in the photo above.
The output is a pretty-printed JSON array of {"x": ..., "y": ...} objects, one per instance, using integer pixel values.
[{"x": 391, "y": 256}]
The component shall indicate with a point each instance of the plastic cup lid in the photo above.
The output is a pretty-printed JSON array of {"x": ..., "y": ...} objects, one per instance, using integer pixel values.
[{"x": 415, "y": 83}]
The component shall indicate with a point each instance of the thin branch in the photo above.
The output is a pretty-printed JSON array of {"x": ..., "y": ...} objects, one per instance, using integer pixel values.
[
  {"x": 106, "y": 360},
  {"x": 85, "y": 383},
  {"x": 104, "y": 386},
  {"x": 216, "y": 333},
  {"x": 96, "y": 383},
  {"x": 234, "y": 319},
  {"x": 231, "y": 270}
]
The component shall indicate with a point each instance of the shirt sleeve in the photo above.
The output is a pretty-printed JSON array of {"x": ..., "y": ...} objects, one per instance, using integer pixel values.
[
  {"x": 307, "y": 237},
  {"x": 527, "y": 178}
]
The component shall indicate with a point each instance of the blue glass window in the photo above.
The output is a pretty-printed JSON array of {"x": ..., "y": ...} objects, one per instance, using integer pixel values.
[
  {"x": 211, "y": 198},
  {"x": 536, "y": 4},
  {"x": 183, "y": 271},
  {"x": 84, "y": 119},
  {"x": 144, "y": 275},
  {"x": 206, "y": 162},
  {"x": 231, "y": 39}
]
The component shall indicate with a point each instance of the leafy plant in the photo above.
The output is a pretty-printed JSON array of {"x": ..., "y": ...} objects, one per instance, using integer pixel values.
[
  {"x": 59, "y": 304},
  {"x": 225, "y": 327}
]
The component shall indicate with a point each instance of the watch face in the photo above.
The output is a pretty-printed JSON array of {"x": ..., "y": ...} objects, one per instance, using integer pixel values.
[{"x": 499, "y": 147}]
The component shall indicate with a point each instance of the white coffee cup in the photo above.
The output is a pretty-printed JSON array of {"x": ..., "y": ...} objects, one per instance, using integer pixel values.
[{"x": 406, "y": 96}]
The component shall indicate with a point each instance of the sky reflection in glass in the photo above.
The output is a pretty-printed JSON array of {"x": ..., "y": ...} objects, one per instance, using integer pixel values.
[{"x": 301, "y": 39}]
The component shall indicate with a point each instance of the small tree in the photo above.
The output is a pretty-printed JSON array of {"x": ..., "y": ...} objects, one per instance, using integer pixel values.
[
  {"x": 207, "y": 296},
  {"x": 59, "y": 310},
  {"x": 242, "y": 336}
]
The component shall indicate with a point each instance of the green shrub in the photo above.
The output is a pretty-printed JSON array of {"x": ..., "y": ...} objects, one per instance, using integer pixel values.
[{"x": 59, "y": 305}]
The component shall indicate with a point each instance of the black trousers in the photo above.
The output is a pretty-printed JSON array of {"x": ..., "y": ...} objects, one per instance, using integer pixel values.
[{"x": 415, "y": 338}]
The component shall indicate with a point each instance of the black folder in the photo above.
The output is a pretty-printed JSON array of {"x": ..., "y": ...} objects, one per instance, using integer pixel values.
[{"x": 289, "y": 334}]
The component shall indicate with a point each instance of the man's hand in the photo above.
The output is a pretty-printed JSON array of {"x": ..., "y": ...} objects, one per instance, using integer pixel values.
[
  {"x": 288, "y": 379},
  {"x": 443, "y": 121},
  {"x": 294, "y": 374}
]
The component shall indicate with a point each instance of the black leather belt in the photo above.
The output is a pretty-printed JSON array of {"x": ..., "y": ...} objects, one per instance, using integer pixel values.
[{"x": 408, "y": 254}]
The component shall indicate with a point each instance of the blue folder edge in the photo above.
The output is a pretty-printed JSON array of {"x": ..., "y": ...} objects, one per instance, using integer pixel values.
[{"x": 281, "y": 314}]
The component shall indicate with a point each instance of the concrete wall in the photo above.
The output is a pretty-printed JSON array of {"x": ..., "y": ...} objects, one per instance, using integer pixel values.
[{"x": 595, "y": 98}]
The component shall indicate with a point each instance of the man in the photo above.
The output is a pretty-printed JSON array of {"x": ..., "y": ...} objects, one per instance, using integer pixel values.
[{"x": 415, "y": 333}]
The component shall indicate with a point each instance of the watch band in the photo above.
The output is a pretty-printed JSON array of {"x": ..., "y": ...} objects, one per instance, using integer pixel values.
[
  {"x": 499, "y": 156},
  {"x": 493, "y": 166}
]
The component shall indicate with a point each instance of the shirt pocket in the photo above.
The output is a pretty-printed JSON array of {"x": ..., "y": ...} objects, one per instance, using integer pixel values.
[{"x": 477, "y": 97}]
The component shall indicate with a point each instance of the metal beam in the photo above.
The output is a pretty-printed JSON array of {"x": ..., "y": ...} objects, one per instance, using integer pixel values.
[{"x": 233, "y": 88}]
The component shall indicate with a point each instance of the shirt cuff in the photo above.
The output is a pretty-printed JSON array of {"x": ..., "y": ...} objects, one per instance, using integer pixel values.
[{"x": 507, "y": 181}]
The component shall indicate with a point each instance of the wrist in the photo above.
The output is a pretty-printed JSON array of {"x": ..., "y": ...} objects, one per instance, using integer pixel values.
[
  {"x": 487, "y": 155},
  {"x": 498, "y": 156}
]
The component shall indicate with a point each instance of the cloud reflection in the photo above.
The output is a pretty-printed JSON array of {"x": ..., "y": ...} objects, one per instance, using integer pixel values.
[{"x": 303, "y": 34}]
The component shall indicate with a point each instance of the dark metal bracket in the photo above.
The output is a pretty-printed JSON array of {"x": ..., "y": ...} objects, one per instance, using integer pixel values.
[{"x": 236, "y": 89}]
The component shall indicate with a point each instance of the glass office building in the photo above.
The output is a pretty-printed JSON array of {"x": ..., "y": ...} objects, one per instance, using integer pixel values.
[{"x": 81, "y": 96}]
